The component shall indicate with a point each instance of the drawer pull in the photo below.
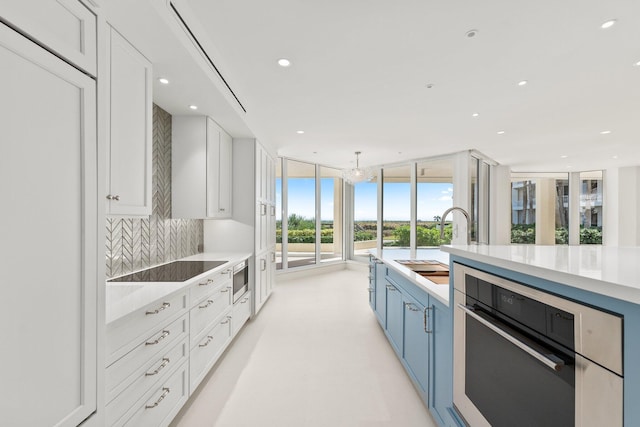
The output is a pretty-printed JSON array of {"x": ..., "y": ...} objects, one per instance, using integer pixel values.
[
  {"x": 224, "y": 322},
  {"x": 209, "y": 338},
  {"x": 411, "y": 307},
  {"x": 160, "y": 338},
  {"x": 165, "y": 392},
  {"x": 244, "y": 300},
  {"x": 391, "y": 288},
  {"x": 164, "y": 364},
  {"x": 164, "y": 306},
  {"x": 209, "y": 302},
  {"x": 208, "y": 282},
  {"x": 225, "y": 290}
]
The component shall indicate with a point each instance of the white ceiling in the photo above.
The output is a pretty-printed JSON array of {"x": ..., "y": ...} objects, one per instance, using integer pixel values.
[{"x": 360, "y": 72}]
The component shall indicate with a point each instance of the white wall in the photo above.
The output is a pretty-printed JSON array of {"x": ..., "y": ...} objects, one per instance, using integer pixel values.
[{"x": 621, "y": 207}]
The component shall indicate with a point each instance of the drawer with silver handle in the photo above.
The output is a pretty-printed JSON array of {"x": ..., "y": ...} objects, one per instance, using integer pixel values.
[
  {"x": 206, "y": 285},
  {"x": 207, "y": 350},
  {"x": 126, "y": 333},
  {"x": 206, "y": 311},
  {"x": 120, "y": 374},
  {"x": 143, "y": 379},
  {"x": 161, "y": 404}
]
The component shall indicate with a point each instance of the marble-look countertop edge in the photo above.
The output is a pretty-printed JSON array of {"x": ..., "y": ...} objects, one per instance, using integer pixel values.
[
  {"x": 605, "y": 287},
  {"x": 124, "y": 298}
]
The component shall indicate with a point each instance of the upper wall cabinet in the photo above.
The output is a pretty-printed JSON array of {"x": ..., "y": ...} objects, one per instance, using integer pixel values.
[
  {"x": 129, "y": 131},
  {"x": 201, "y": 168},
  {"x": 65, "y": 27}
]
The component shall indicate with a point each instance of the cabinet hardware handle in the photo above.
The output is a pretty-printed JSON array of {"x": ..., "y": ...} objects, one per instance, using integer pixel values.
[
  {"x": 209, "y": 339},
  {"x": 371, "y": 290},
  {"x": 209, "y": 302},
  {"x": 224, "y": 322},
  {"x": 426, "y": 317},
  {"x": 391, "y": 288},
  {"x": 244, "y": 300},
  {"x": 263, "y": 264},
  {"x": 221, "y": 209},
  {"x": 164, "y": 306},
  {"x": 165, "y": 362},
  {"x": 224, "y": 290},
  {"x": 411, "y": 307},
  {"x": 160, "y": 338},
  {"x": 273, "y": 210},
  {"x": 556, "y": 365},
  {"x": 208, "y": 282},
  {"x": 116, "y": 197},
  {"x": 263, "y": 209},
  {"x": 165, "y": 392},
  {"x": 273, "y": 257}
]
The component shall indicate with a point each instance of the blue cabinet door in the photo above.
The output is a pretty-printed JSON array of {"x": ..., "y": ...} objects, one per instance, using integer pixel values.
[
  {"x": 441, "y": 363},
  {"x": 381, "y": 294},
  {"x": 416, "y": 342},
  {"x": 395, "y": 316}
]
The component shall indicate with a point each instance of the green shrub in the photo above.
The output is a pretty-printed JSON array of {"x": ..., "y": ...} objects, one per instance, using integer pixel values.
[
  {"x": 591, "y": 236},
  {"x": 425, "y": 236}
]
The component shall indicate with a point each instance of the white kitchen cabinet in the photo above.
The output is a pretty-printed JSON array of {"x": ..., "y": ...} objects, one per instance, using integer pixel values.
[
  {"x": 201, "y": 168},
  {"x": 241, "y": 312},
  {"x": 65, "y": 27},
  {"x": 128, "y": 102},
  {"x": 143, "y": 349},
  {"x": 264, "y": 277},
  {"x": 49, "y": 315}
]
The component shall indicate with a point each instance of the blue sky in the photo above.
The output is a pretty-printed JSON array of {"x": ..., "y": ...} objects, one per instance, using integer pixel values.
[{"x": 433, "y": 199}]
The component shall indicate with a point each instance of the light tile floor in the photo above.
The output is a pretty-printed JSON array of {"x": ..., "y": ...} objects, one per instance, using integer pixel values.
[{"x": 314, "y": 356}]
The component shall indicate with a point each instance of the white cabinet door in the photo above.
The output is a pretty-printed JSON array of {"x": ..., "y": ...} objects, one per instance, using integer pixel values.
[
  {"x": 201, "y": 168},
  {"x": 219, "y": 171},
  {"x": 48, "y": 180},
  {"x": 129, "y": 132},
  {"x": 64, "y": 26},
  {"x": 225, "y": 173}
]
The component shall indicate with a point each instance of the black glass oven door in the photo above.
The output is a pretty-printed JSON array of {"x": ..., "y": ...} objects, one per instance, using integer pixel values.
[{"x": 512, "y": 385}]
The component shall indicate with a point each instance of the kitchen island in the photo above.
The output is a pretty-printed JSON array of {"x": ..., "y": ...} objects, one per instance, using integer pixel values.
[
  {"x": 605, "y": 278},
  {"x": 415, "y": 315}
]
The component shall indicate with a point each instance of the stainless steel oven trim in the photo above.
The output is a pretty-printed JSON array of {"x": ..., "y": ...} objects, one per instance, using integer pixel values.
[{"x": 599, "y": 392}]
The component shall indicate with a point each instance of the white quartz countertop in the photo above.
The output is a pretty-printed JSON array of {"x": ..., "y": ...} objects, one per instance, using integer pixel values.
[
  {"x": 604, "y": 270},
  {"x": 123, "y": 298},
  {"x": 389, "y": 256}
]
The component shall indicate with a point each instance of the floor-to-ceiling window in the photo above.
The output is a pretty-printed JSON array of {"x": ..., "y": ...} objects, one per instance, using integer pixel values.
[
  {"x": 300, "y": 214},
  {"x": 279, "y": 213},
  {"x": 541, "y": 206},
  {"x": 396, "y": 206},
  {"x": 365, "y": 217},
  {"x": 331, "y": 212},
  {"x": 434, "y": 195},
  {"x": 591, "y": 208}
]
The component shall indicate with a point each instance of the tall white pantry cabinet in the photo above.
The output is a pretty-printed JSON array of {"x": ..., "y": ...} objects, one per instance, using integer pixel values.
[{"x": 51, "y": 253}]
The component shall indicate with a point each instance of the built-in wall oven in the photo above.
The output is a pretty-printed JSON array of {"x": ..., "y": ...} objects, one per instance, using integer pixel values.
[
  {"x": 523, "y": 357},
  {"x": 240, "y": 280}
]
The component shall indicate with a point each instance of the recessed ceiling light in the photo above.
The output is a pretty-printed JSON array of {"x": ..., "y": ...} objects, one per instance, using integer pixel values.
[
  {"x": 193, "y": 107},
  {"x": 637, "y": 64},
  {"x": 614, "y": 157},
  {"x": 283, "y": 62},
  {"x": 471, "y": 33},
  {"x": 564, "y": 156},
  {"x": 475, "y": 115},
  {"x": 500, "y": 132},
  {"x": 605, "y": 132},
  {"x": 300, "y": 132},
  {"x": 608, "y": 24},
  {"x": 522, "y": 82},
  {"x": 569, "y": 166},
  {"x": 163, "y": 81}
]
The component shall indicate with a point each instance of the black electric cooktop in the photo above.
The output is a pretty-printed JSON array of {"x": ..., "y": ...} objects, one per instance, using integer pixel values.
[{"x": 176, "y": 271}]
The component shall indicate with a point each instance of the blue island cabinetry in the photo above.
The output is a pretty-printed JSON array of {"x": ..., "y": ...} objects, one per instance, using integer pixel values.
[{"x": 419, "y": 329}]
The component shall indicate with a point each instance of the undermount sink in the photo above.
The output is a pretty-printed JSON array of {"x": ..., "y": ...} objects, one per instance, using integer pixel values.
[{"x": 433, "y": 270}]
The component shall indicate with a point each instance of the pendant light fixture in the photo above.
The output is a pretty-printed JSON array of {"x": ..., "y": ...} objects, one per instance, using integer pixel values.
[{"x": 356, "y": 174}]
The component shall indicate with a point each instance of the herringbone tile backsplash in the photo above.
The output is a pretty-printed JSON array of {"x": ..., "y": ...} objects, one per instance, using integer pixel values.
[{"x": 135, "y": 243}]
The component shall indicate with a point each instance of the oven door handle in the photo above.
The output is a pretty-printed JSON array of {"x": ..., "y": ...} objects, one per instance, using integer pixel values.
[{"x": 553, "y": 364}]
